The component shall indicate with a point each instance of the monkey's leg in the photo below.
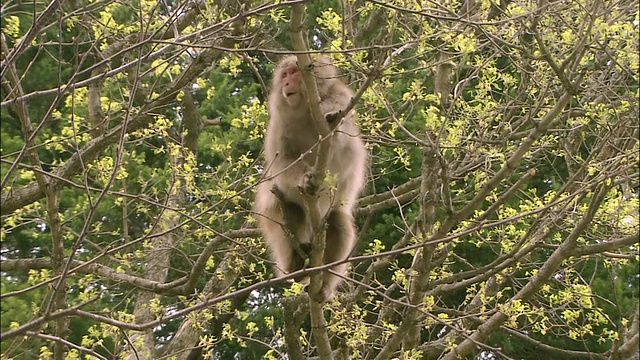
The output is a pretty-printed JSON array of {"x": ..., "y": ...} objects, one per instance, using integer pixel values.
[
  {"x": 295, "y": 229},
  {"x": 341, "y": 239},
  {"x": 295, "y": 221},
  {"x": 280, "y": 249}
]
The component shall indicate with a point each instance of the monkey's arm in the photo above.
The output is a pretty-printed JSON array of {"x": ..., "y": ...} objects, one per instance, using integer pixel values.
[
  {"x": 335, "y": 102},
  {"x": 292, "y": 175}
]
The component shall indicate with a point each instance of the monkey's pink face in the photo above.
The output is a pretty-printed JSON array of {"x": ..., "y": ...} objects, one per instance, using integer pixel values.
[{"x": 291, "y": 89}]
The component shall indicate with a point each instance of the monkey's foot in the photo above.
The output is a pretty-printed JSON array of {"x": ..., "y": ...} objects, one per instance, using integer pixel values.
[
  {"x": 323, "y": 296},
  {"x": 306, "y": 248},
  {"x": 308, "y": 184},
  {"x": 333, "y": 117}
]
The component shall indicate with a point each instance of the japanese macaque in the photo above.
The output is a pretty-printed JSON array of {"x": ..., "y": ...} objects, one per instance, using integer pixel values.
[{"x": 290, "y": 151}]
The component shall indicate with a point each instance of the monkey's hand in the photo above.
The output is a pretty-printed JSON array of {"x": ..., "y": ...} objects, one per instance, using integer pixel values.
[
  {"x": 308, "y": 184},
  {"x": 333, "y": 118}
]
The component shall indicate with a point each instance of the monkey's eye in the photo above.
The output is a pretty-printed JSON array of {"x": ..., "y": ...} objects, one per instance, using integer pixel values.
[{"x": 289, "y": 71}]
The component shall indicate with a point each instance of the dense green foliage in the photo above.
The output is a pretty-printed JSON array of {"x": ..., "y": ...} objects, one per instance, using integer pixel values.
[{"x": 500, "y": 218}]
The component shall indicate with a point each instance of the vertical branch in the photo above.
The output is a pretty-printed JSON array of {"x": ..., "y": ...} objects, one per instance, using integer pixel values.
[
  {"x": 422, "y": 261},
  {"x": 317, "y": 254},
  {"x": 96, "y": 116},
  {"x": 305, "y": 64},
  {"x": 157, "y": 268},
  {"x": 59, "y": 297},
  {"x": 292, "y": 321},
  {"x": 162, "y": 247},
  {"x": 433, "y": 178},
  {"x": 158, "y": 265},
  {"x": 187, "y": 337},
  {"x": 442, "y": 79},
  {"x": 159, "y": 256}
]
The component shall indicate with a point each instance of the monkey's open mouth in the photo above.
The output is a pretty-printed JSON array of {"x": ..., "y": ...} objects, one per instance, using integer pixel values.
[{"x": 289, "y": 94}]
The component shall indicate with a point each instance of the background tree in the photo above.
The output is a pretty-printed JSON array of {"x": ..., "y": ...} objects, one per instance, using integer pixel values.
[{"x": 500, "y": 218}]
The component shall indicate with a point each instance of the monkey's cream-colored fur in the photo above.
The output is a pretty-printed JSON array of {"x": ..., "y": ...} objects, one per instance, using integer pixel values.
[{"x": 290, "y": 133}]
